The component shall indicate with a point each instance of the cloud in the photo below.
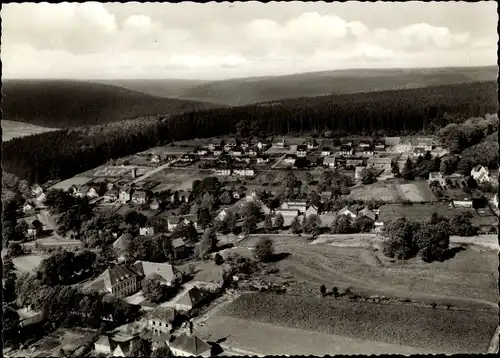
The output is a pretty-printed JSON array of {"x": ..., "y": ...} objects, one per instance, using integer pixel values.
[{"x": 154, "y": 40}]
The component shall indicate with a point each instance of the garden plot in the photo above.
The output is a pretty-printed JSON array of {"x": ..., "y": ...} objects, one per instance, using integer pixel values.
[
  {"x": 388, "y": 192},
  {"x": 120, "y": 171},
  {"x": 417, "y": 192}
]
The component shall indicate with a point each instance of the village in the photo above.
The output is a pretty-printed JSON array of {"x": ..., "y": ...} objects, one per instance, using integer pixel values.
[{"x": 295, "y": 189}]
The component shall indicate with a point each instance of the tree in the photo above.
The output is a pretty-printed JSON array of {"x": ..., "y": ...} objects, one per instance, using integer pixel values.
[
  {"x": 461, "y": 225},
  {"x": 15, "y": 250},
  {"x": 313, "y": 224},
  {"x": 207, "y": 201},
  {"x": 368, "y": 177},
  {"x": 341, "y": 225},
  {"x": 464, "y": 166},
  {"x": 279, "y": 221},
  {"x": 264, "y": 250},
  {"x": 10, "y": 323},
  {"x": 296, "y": 227},
  {"x": 446, "y": 167},
  {"x": 322, "y": 290},
  {"x": 407, "y": 171},
  {"x": 141, "y": 348},
  {"x": 335, "y": 291},
  {"x": 428, "y": 155},
  {"x": 153, "y": 289},
  {"x": 226, "y": 198},
  {"x": 399, "y": 239},
  {"x": 395, "y": 169},
  {"x": 162, "y": 352},
  {"x": 308, "y": 178},
  {"x": 208, "y": 243},
  {"x": 204, "y": 217},
  {"x": 268, "y": 223},
  {"x": 290, "y": 180},
  {"x": 362, "y": 224},
  {"x": 471, "y": 183},
  {"x": 218, "y": 259},
  {"x": 9, "y": 287}
]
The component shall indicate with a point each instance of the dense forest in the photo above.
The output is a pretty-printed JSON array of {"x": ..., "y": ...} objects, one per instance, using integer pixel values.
[
  {"x": 62, "y": 154},
  {"x": 57, "y": 104}
]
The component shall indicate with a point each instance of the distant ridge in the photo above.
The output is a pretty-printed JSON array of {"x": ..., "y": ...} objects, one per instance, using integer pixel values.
[{"x": 66, "y": 103}]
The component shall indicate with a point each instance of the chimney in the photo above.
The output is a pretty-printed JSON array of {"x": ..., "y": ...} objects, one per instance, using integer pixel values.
[
  {"x": 190, "y": 328},
  {"x": 134, "y": 173}
]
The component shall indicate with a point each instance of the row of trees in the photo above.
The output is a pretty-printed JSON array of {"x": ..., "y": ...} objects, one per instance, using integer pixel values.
[{"x": 64, "y": 153}]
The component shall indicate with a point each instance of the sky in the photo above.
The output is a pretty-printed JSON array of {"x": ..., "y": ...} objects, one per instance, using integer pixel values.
[{"x": 228, "y": 40}]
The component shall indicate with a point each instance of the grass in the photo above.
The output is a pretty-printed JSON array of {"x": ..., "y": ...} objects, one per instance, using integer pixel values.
[
  {"x": 407, "y": 325},
  {"x": 68, "y": 183},
  {"x": 417, "y": 191},
  {"x": 469, "y": 279},
  {"x": 418, "y": 212},
  {"x": 378, "y": 191},
  {"x": 13, "y": 129},
  {"x": 29, "y": 262}
]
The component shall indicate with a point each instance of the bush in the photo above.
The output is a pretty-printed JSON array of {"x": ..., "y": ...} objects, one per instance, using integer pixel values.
[
  {"x": 218, "y": 259},
  {"x": 264, "y": 250}
]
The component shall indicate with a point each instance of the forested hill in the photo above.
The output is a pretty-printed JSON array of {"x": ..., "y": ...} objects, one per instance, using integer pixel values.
[
  {"x": 58, "y": 104},
  {"x": 62, "y": 154},
  {"x": 245, "y": 91}
]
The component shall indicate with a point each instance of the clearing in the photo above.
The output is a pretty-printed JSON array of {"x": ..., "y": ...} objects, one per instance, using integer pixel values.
[
  {"x": 13, "y": 129},
  {"x": 470, "y": 278},
  {"x": 28, "y": 263},
  {"x": 417, "y": 191},
  {"x": 427, "y": 330},
  {"x": 68, "y": 183}
]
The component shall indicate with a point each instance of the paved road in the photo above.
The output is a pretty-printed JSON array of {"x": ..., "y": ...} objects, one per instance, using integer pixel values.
[{"x": 154, "y": 171}]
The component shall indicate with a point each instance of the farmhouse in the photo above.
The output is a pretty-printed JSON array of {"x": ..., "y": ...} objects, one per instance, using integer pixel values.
[
  {"x": 348, "y": 211},
  {"x": 299, "y": 205},
  {"x": 346, "y": 149},
  {"x": 111, "y": 195},
  {"x": 223, "y": 171},
  {"x": 462, "y": 202},
  {"x": 436, "y": 177},
  {"x": 301, "y": 151},
  {"x": 368, "y": 213},
  {"x": 244, "y": 172},
  {"x": 290, "y": 158},
  {"x": 165, "y": 273},
  {"x": 263, "y": 159},
  {"x": 147, "y": 230},
  {"x": 188, "y": 345},
  {"x": 384, "y": 163},
  {"x": 119, "y": 280},
  {"x": 480, "y": 174},
  {"x": 326, "y": 151},
  {"x": 35, "y": 229},
  {"x": 161, "y": 320},
  {"x": 189, "y": 300},
  {"x": 329, "y": 162},
  {"x": 126, "y": 194},
  {"x": 173, "y": 221},
  {"x": 216, "y": 143},
  {"x": 140, "y": 197},
  {"x": 279, "y": 143},
  {"x": 423, "y": 142}
]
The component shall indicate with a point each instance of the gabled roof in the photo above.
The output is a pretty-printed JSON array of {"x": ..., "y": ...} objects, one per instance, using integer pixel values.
[
  {"x": 380, "y": 160},
  {"x": 191, "y": 344},
  {"x": 190, "y": 297},
  {"x": 435, "y": 175},
  {"x": 349, "y": 208},
  {"x": 301, "y": 147},
  {"x": 103, "y": 341},
  {"x": 329, "y": 160},
  {"x": 164, "y": 314},
  {"x": 166, "y": 271},
  {"x": 368, "y": 213},
  {"x": 178, "y": 242},
  {"x": 140, "y": 193},
  {"x": 477, "y": 168},
  {"x": 177, "y": 219},
  {"x": 122, "y": 241},
  {"x": 326, "y": 149},
  {"x": 116, "y": 274}
]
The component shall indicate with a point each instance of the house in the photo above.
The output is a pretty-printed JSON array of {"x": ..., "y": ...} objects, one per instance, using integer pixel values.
[
  {"x": 244, "y": 172},
  {"x": 27, "y": 207},
  {"x": 236, "y": 152},
  {"x": 119, "y": 280},
  {"x": 165, "y": 273},
  {"x": 41, "y": 198},
  {"x": 140, "y": 197},
  {"x": 462, "y": 202},
  {"x": 312, "y": 159},
  {"x": 161, "y": 320},
  {"x": 329, "y": 162},
  {"x": 222, "y": 215},
  {"x": 346, "y": 149},
  {"x": 189, "y": 345},
  {"x": 392, "y": 141},
  {"x": 243, "y": 159},
  {"x": 363, "y": 144},
  {"x": 326, "y": 151},
  {"x": 366, "y": 151},
  {"x": 263, "y": 144},
  {"x": 349, "y": 211},
  {"x": 299, "y": 205},
  {"x": 311, "y": 143},
  {"x": 436, "y": 177},
  {"x": 155, "y": 159},
  {"x": 384, "y": 163},
  {"x": 186, "y": 158},
  {"x": 180, "y": 195},
  {"x": 312, "y": 210},
  {"x": 252, "y": 197},
  {"x": 419, "y": 151},
  {"x": 368, "y": 213},
  {"x": 179, "y": 247},
  {"x": 200, "y": 152},
  {"x": 173, "y": 221},
  {"x": 290, "y": 158},
  {"x": 263, "y": 159},
  {"x": 223, "y": 171},
  {"x": 495, "y": 200},
  {"x": 217, "y": 151},
  {"x": 126, "y": 194},
  {"x": 147, "y": 230},
  {"x": 379, "y": 146},
  {"x": 480, "y": 174},
  {"x": 120, "y": 244},
  {"x": 216, "y": 143},
  {"x": 424, "y": 142},
  {"x": 280, "y": 143},
  {"x": 111, "y": 195},
  {"x": 36, "y": 190},
  {"x": 189, "y": 300},
  {"x": 231, "y": 143},
  {"x": 35, "y": 229},
  {"x": 358, "y": 172},
  {"x": 252, "y": 151},
  {"x": 155, "y": 204},
  {"x": 104, "y": 345},
  {"x": 301, "y": 151},
  {"x": 351, "y": 162},
  {"x": 123, "y": 347}
]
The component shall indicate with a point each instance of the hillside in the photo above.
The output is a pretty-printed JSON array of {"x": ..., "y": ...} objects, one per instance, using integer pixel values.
[
  {"x": 260, "y": 89},
  {"x": 52, "y": 103},
  {"x": 36, "y": 158},
  {"x": 170, "y": 88}
]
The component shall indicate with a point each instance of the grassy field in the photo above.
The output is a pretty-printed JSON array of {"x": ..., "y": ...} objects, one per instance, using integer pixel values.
[
  {"x": 29, "y": 262},
  {"x": 432, "y": 330},
  {"x": 467, "y": 279},
  {"x": 13, "y": 129},
  {"x": 417, "y": 191},
  {"x": 179, "y": 179},
  {"x": 391, "y": 192}
]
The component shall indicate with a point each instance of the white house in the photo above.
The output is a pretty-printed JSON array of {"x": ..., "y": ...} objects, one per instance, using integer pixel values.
[
  {"x": 495, "y": 200},
  {"x": 224, "y": 171},
  {"x": 41, "y": 198},
  {"x": 280, "y": 143},
  {"x": 290, "y": 159},
  {"x": 161, "y": 319},
  {"x": 139, "y": 197},
  {"x": 111, "y": 195},
  {"x": 349, "y": 211},
  {"x": 155, "y": 159},
  {"x": 262, "y": 144},
  {"x": 436, "y": 177},
  {"x": 217, "y": 151},
  {"x": 480, "y": 174},
  {"x": 189, "y": 300},
  {"x": 301, "y": 151},
  {"x": 103, "y": 345},
  {"x": 125, "y": 195},
  {"x": 368, "y": 213},
  {"x": 329, "y": 162},
  {"x": 358, "y": 172},
  {"x": 299, "y": 205},
  {"x": 236, "y": 152},
  {"x": 252, "y": 152},
  {"x": 244, "y": 172},
  {"x": 346, "y": 150},
  {"x": 27, "y": 207},
  {"x": 147, "y": 230},
  {"x": 262, "y": 160},
  {"x": 326, "y": 151},
  {"x": 36, "y": 190},
  {"x": 312, "y": 210},
  {"x": 173, "y": 221}
]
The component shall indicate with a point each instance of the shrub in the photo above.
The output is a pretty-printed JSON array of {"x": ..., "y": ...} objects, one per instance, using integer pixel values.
[{"x": 264, "y": 250}]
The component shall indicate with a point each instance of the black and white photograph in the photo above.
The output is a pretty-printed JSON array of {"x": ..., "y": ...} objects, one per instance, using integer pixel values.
[{"x": 249, "y": 178}]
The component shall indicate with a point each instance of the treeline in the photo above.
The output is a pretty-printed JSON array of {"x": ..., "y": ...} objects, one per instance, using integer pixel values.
[{"x": 62, "y": 154}]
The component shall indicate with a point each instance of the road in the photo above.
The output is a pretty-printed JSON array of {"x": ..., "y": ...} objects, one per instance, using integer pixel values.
[
  {"x": 154, "y": 171},
  {"x": 278, "y": 161}
]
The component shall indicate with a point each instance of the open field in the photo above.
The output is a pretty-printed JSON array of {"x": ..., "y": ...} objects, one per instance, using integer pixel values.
[
  {"x": 167, "y": 150},
  {"x": 119, "y": 171},
  {"x": 68, "y": 183},
  {"x": 29, "y": 262},
  {"x": 419, "y": 212},
  {"x": 180, "y": 179},
  {"x": 270, "y": 339},
  {"x": 67, "y": 339},
  {"x": 467, "y": 279},
  {"x": 431, "y": 330},
  {"x": 417, "y": 191},
  {"x": 13, "y": 129}
]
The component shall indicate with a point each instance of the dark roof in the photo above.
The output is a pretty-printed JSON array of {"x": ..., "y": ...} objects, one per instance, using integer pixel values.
[
  {"x": 190, "y": 344},
  {"x": 165, "y": 314},
  {"x": 312, "y": 158},
  {"x": 178, "y": 242},
  {"x": 302, "y": 147},
  {"x": 191, "y": 297},
  {"x": 290, "y": 156},
  {"x": 164, "y": 270}
]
